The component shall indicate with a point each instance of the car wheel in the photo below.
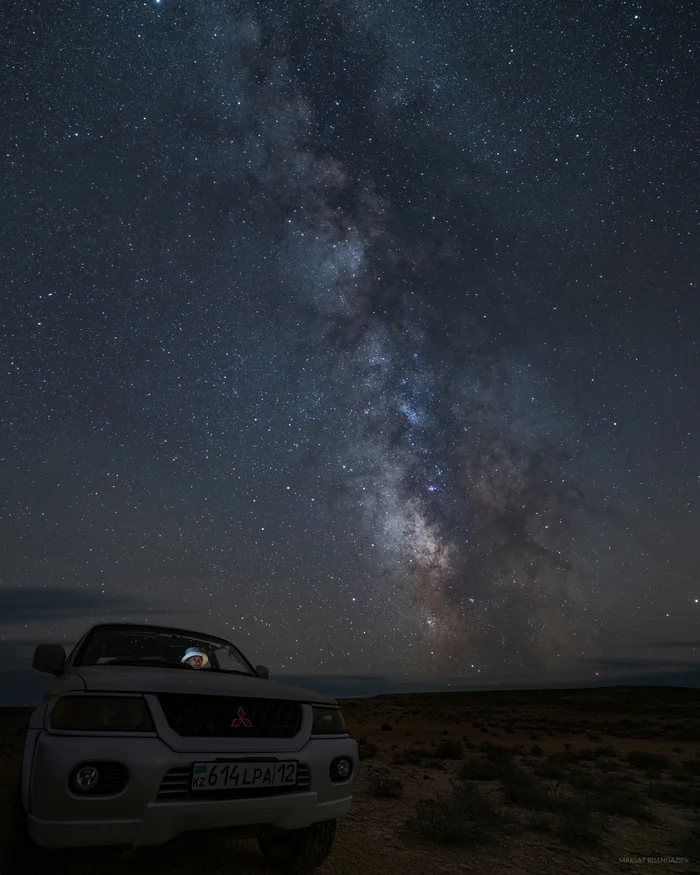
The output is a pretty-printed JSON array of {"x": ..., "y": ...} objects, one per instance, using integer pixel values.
[
  {"x": 298, "y": 850},
  {"x": 22, "y": 856}
]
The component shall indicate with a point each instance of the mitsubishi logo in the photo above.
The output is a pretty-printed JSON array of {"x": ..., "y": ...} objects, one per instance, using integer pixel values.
[{"x": 242, "y": 720}]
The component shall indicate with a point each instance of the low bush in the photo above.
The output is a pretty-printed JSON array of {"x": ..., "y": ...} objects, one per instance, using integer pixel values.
[
  {"x": 449, "y": 749},
  {"x": 606, "y": 765},
  {"x": 366, "y": 749},
  {"x": 385, "y": 785},
  {"x": 692, "y": 767},
  {"x": 410, "y": 757},
  {"x": 583, "y": 754},
  {"x": 462, "y": 818},
  {"x": 676, "y": 794},
  {"x": 582, "y": 780},
  {"x": 541, "y": 822},
  {"x": 605, "y": 750},
  {"x": 689, "y": 844},
  {"x": 623, "y": 801},
  {"x": 575, "y": 825},
  {"x": 522, "y": 788},
  {"x": 480, "y": 769},
  {"x": 498, "y": 751},
  {"x": 643, "y": 759},
  {"x": 553, "y": 767}
]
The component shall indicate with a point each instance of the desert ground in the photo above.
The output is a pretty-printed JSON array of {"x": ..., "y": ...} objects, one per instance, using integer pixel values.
[{"x": 571, "y": 781}]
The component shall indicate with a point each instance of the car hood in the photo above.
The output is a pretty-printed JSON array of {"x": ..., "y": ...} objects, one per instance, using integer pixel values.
[{"x": 124, "y": 678}]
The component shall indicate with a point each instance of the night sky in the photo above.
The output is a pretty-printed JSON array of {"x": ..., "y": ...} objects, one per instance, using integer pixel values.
[{"x": 366, "y": 333}]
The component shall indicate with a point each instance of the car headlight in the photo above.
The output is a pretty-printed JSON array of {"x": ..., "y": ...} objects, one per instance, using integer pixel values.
[
  {"x": 102, "y": 714},
  {"x": 327, "y": 720}
]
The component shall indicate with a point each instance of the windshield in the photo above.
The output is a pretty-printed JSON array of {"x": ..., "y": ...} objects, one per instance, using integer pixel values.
[{"x": 168, "y": 648}]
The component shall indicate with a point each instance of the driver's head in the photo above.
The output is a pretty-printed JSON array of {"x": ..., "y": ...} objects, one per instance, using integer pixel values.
[{"x": 195, "y": 658}]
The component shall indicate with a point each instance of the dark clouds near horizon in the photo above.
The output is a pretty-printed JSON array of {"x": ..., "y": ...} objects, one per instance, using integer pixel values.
[{"x": 367, "y": 330}]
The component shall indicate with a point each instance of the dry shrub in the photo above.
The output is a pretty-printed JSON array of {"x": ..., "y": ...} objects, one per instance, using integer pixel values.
[
  {"x": 575, "y": 825},
  {"x": 522, "y": 788},
  {"x": 643, "y": 759},
  {"x": 622, "y": 801},
  {"x": 477, "y": 768},
  {"x": 605, "y": 750},
  {"x": 500, "y": 750},
  {"x": 582, "y": 780},
  {"x": 607, "y": 765},
  {"x": 676, "y": 794},
  {"x": 366, "y": 749},
  {"x": 410, "y": 757},
  {"x": 450, "y": 749},
  {"x": 689, "y": 844},
  {"x": 462, "y": 818},
  {"x": 541, "y": 822},
  {"x": 692, "y": 767},
  {"x": 385, "y": 785},
  {"x": 553, "y": 767}
]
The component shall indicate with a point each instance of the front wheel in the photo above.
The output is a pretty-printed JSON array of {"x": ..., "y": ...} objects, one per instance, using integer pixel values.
[
  {"x": 22, "y": 856},
  {"x": 298, "y": 850}
]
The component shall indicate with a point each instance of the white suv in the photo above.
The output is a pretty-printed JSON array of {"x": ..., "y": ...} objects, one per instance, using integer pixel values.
[{"x": 149, "y": 731}]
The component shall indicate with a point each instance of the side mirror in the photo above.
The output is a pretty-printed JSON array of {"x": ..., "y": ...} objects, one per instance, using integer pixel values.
[
  {"x": 49, "y": 658},
  {"x": 262, "y": 671}
]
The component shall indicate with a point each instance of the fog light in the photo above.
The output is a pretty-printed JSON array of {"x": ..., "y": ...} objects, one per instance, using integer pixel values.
[
  {"x": 341, "y": 769},
  {"x": 85, "y": 779}
]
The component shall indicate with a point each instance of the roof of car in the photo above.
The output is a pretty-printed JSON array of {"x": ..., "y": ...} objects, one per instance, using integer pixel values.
[{"x": 155, "y": 628}]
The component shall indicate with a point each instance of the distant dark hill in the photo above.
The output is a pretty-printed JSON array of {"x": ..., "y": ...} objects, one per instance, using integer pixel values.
[{"x": 24, "y": 687}]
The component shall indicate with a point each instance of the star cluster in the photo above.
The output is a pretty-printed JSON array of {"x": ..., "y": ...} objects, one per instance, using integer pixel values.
[{"x": 366, "y": 332}]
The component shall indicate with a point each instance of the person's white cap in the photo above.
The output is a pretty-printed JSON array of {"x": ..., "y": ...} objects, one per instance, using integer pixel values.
[{"x": 192, "y": 651}]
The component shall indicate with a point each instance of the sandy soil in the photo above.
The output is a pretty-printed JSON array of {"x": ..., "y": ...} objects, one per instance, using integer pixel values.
[{"x": 557, "y": 781}]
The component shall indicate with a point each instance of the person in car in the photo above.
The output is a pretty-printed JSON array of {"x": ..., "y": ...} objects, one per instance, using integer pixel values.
[{"x": 195, "y": 658}]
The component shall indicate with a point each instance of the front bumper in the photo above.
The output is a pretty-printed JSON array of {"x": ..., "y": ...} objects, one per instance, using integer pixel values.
[{"x": 58, "y": 818}]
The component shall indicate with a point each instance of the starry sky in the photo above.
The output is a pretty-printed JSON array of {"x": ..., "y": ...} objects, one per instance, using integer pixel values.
[{"x": 365, "y": 332}]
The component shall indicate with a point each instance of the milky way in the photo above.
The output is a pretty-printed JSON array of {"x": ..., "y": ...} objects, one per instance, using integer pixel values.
[{"x": 367, "y": 330}]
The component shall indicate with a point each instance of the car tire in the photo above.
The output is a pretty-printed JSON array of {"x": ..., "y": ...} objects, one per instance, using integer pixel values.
[
  {"x": 22, "y": 856},
  {"x": 298, "y": 850}
]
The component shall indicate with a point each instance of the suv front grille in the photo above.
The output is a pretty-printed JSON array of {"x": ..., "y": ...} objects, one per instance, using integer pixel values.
[
  {"x": 192, "y": 716},
  {"x": 176, "y": 785}
]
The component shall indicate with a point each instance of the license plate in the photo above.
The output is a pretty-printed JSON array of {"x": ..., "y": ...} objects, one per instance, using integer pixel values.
[{"x": 232, "y": 776}]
